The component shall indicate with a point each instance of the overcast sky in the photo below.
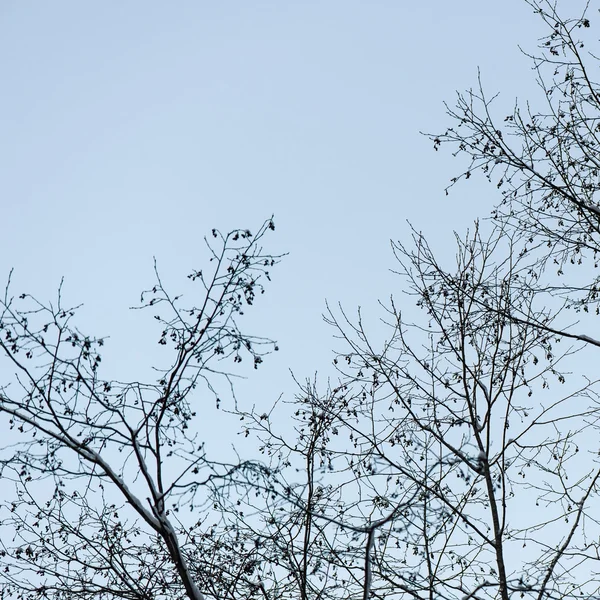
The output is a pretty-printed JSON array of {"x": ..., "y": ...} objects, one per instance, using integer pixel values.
[{"x": 130, "y": 129}]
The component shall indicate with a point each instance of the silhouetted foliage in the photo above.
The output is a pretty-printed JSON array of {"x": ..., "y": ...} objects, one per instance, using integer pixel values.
[{"x": 98, "y": 469}]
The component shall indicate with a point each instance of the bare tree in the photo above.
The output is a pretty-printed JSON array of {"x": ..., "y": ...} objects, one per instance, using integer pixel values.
[
  {"x": 97, "y": 471},
  {"x": 451, "y": 461},
  {"x": 544, "y": 159}
]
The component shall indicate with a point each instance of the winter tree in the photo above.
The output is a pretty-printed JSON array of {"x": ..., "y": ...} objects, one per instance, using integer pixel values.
[{"x": 96, "y": 470}]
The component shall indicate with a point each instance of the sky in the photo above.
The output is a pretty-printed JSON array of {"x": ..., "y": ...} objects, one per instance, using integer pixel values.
[{"x": 130, "y": 130}]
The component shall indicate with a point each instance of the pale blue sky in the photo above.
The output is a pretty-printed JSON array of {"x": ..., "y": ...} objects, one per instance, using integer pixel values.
[{"x": 130, "y": 129}]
